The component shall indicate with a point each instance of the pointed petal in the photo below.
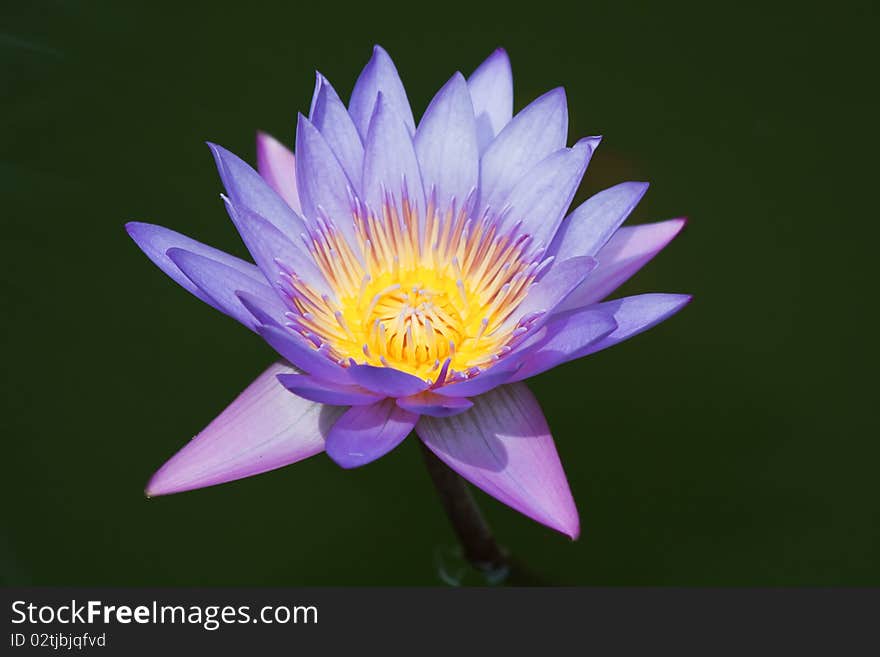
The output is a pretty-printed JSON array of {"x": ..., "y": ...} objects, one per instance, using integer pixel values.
[
  {"x": 554, "y": 287},
  {"x": 364, "y": 433},
  {"x": 333, "y": 121},
  {"x": 503, "y": 446},
  {"x": 221, "y": 283},
  {"x": 593, "y": 223},
  {"x": 386, "y": 380},
  {"x": 446, "y": 143},
  {"x": 390, "y": 159},
  {"x": 379, "y": 75},
  {"x": 626, "y": 252},
  {"x": 275, "y": 162},
  {"x": 269, "y": 247},
  {"x": 633, "y": 315},
  {"x": 541, "y": 199},
  {"x": 534, "y": 133},
  {"x": 566, "y": 336},
  {"x": 246, "y": 188},
  {"x": 327, "y": 392},
  {"x": 491, "y": 89},
  {"x": 321, "y": 179},
  {"x": 430, "y": 403},
  {"x": 265, "y": 428},
  {"x": 155, "y": 241}
]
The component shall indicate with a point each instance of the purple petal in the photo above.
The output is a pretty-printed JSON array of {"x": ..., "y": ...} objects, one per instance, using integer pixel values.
[
  {"x": 534, "y": 133},
  {"x": 221, "y": 283},
  {"x": 541, "y": 199},
  {"x": 386, "y": 381},
  {"x": 326, "y": 392},
  {"x": 589, "y": 227},
  {"x": 269, "y": 246},
  {"x": 246, "y": 188},
  {"x": 566, "y": 336},
  {"x": 553, "y": 289},
  {"x": 155, "y": 241},
  {"x": 303, "y": 354},
  {"x": 265, "y": 312},
  {"x": 364, "y": 433},
  {"x": 390, "y": 159},
  {"x": 626, "y": 252},
  {"x": 276, "y": 164},
  {"x": 430, "y": 403},
  {"x": 499, "y": 374},
  {"x": 321, "y": 179},
  {"x": 491, "y": 89},
  {"x": 503, "y": 446},
  {"x": 446, "y": 143},
  {"x": 634, "y": 315},
  {"x": 333, "y": 121},
  {"x": 379, "y": 75},
  {"x": 265, "y": 428}
]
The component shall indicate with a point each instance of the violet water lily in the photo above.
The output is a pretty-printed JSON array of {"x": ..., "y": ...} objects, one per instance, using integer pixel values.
[{"x": 411, "y": 276}]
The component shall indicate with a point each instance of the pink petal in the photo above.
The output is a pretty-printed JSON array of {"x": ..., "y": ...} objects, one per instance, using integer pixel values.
[
  {"x": 276, "y": 164},
  {"x": 503, "y": 446},
  {"x": 266, "y": 427},
  {"x": 625, "y": 253}
]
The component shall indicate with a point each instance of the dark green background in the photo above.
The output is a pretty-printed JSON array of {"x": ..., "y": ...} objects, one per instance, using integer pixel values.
[{"x": 734, "y": 445}]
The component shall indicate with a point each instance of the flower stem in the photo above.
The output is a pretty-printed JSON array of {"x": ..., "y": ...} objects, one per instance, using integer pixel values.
[{"x": 473, "y": 533}]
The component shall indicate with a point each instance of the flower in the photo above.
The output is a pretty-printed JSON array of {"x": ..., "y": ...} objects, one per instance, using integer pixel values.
[{"x": 412, "y": 277}]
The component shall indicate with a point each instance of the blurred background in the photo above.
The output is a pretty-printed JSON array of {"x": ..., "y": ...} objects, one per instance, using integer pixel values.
[{"x": 735, "y": 444}]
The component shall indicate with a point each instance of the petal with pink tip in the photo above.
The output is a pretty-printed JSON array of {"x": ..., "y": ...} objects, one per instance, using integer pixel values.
[
  {"x": 503, "y": 446},
  {"x": 626, "y": 252},
  {"x": 275, "y": 162},
  {"x": 265, "y": 428}
]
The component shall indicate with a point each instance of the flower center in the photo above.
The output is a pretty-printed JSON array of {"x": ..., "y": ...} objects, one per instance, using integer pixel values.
[{"x": 436, "y": 300}]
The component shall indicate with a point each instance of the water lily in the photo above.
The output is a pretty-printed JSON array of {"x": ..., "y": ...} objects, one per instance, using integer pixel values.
[{"x": 411, "y": 276}]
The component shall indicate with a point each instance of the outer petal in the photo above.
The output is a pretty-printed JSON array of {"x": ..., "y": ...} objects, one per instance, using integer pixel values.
[
  {"x": 364, "y": 433},
  {"x": 155, "y": 241},
  {"x": 503, "y": 446},
  {"x": 276, "y": 164},
  {"x": 491, "y": 89},
  {"x": 265, "y": 428},
  {"x": 321, "y": 179},
  {"x": 589, "y": 227},
  {"x": 390, "y": 159},
  {"x": 379, "y": 75},
  {"x": 541, "y": 199},
  {"x": 333, "y": 121},
  {"x": 446, "y": 143},
  {"x": 430, "y": 403},
  {"x": 634, "y": 315},
  {"x": 221, "y": 283},
  {"x": 624, "y": 254},
  {"x": 567, "y": 336},
  {"x": 534, "y": 133},
  {"x": 246, "y": 188},
  {"x": 327, "y": 392},
  {"x": 386, "y": 381}
]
